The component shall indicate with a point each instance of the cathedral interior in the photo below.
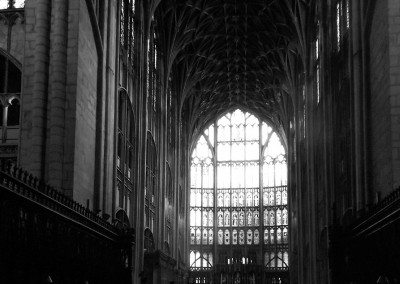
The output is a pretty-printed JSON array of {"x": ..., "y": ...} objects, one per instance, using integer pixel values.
[{"x": 200, "y": 141}]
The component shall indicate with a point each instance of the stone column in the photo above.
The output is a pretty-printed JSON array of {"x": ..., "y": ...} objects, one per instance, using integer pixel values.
[
  {"x": 40, "y": 87},
  {"x": 58, "y": 75}
]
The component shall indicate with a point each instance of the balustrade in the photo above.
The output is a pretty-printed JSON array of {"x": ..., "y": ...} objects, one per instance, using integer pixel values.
[{"x": 45, "y": 233}]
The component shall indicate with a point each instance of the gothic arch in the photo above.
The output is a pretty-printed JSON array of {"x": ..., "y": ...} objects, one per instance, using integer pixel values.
[
  {"x": 148, "y": 240},
  {"x": 14, "y": 60},
  {"x": 125, "y": 153},
  {"x": 122, "y": 219},
  {"x": 238, "y": 199}
]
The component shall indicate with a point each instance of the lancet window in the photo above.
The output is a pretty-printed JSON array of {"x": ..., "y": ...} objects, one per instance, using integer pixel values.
[
  {"x": 127, "y": 28},
  {"x": 153, "y": 80},
  {"x": 316, "y": 54},
  {"x": 342, "y": 21}
]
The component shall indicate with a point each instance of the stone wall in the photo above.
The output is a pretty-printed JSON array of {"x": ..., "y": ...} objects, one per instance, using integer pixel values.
[
  {"x": 12, "y": 36},
  {"x": 384, "y": 63},
  {"x": 394, "y": 89},
  {"x": 60, "y": 81},
  {"x": 380, "y": 136},
  {"x": 86, "y": 99}
]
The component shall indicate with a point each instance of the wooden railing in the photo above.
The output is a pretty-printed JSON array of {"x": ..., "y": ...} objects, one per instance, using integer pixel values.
[
  {"x": 378, "y": 216},
  {"x": 24, "y": 184},
  {"x": 44, "y": 233},
  {"x": 368, "y": 247}
]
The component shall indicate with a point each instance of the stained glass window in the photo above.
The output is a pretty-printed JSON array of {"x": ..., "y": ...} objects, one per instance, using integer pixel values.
[
  {"x": 342, "y": 21},
  {"x": 256, "y": 237},
  {"x": 338, "y": 24},
  {"x": 153, "y": 79},
  {"x": 347, "y": 4},
  {"x": 248, "y": 159},
  {"x": 127, "y": 28},
  {"x": 234, "y": 237},
  {"x": 220, "y": 237},
  {"x": 275, "y": 209},
  {"x": 200, "y": 260},
  {"x": 317, "y": 84},
  {"x": 241, "y": 237}
]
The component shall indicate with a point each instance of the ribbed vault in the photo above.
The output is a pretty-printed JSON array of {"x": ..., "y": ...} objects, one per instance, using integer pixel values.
[{"x": 227, "y": 53}]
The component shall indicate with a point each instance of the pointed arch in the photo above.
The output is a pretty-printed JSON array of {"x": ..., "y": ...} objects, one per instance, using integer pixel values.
[
  {"x": 125, "y": 152},
  {"x": 148, "y": 240},
  {"x": 10, "y": 105},
  {"x": 123, "y": 219},
  {"x": 249, "y": 183}
]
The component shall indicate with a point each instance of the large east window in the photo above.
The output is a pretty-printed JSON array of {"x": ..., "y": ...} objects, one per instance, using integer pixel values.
[{"x": 239, "y": 203}]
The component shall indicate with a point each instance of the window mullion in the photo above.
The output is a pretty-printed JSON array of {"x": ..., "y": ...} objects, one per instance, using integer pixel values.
[
  {"x": 242, "y": 159},
  {"x": 201, "y": 208},
  {"x": 215, "y": 233},
  {"x": 261, "y": 189}
]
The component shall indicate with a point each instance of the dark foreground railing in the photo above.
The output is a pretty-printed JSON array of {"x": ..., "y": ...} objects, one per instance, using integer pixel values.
[
  {"x": 46, "y": 235},
  {"x": 24, "y": 184},
  {"x": 383, "y": 214},
  {"x": 367, "y": 250}
]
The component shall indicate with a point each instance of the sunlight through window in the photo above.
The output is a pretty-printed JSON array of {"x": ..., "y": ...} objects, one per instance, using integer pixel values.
[{"x": 250, "y": 210}]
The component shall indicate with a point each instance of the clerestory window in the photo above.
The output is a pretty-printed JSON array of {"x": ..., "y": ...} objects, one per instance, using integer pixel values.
[
  {"x": 342, "y": 21},
  {"x": 127, "y": 28}
]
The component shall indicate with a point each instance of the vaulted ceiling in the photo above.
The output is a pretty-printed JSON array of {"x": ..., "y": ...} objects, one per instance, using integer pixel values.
[{"x": 227, "y": 53}]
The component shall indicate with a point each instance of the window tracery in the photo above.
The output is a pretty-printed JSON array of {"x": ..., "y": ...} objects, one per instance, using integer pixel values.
[
  {"x": 251, "y": 209},
  {"x": 342, "y": 21},
  {"x": 153, "y": 79},
  {"x": 127, "y": 28}
]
